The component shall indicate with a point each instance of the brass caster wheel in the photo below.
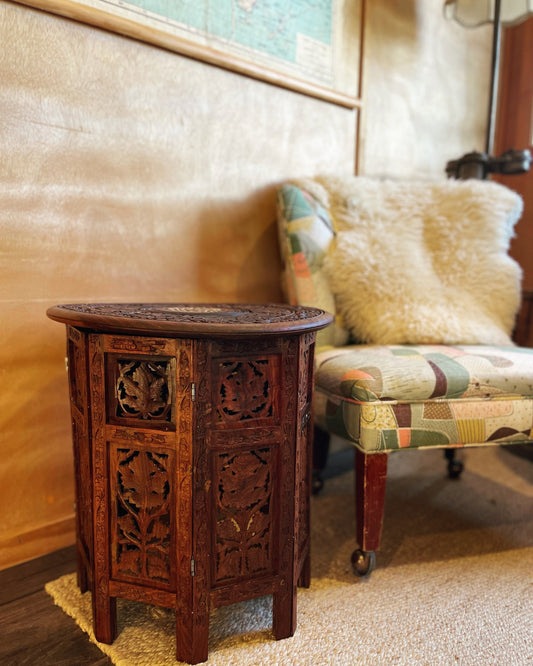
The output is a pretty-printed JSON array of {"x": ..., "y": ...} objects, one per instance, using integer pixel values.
[{"x": 363, "y": 562}]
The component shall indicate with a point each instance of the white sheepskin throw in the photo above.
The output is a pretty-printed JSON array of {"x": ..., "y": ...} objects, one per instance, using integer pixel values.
[{"x": 423, "y": 262}]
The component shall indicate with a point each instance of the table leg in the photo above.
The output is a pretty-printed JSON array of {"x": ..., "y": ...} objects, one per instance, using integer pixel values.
[
  {"x": 81, "y": 572},
  {"x": 104, "y": 617},
  {"x": 305, "y": 575},
  {"x": 284, "y": 613},
  {"x": 192, "y": 637}
]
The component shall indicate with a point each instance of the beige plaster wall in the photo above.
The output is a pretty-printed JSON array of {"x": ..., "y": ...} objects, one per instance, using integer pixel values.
[
  {"x": 130, "y": 173},
  {"x": 127, "y": 173},
  {"x": 426, "y": 83}
]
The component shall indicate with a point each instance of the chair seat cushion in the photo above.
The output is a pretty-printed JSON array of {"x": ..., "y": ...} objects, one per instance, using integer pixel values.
[{"x": 398, "y": 396}]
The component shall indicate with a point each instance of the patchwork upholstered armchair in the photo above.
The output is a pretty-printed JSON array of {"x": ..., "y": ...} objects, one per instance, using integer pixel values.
[{"x": 424, "y": 296}]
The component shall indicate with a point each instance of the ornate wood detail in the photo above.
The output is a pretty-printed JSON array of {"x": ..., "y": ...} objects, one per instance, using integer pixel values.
[
  {"x": 303, "y": 449},
  {"x": 82, "y": 467},
  {"x": 141, "y": 345},
  {"x": 233, "y": 314},
  {"x": 141, "y": 391},
  {"x": 284, "y": 601},
  {"x": 185, "y": 638},
  {"x": 245, "y": 438},
  {"x": 243, "y": 506},
  {"x": 193, "y": 598},
  {"x": 147, "y": 594},
  {"x": 142, "y": 516},
  {"x": 104, "y": 606},
  {"x": 246, "y": 389},
  {"x": 140, "y": 438},
  {"x": 78, "y": 380},
  {"x": 75, "y": 335},
  {"x": 191, "y": 455},
  {"x": 77, "y": 374}
]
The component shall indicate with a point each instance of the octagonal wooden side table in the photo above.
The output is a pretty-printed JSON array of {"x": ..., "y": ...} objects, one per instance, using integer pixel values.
[{"x": 192, "y": 432}]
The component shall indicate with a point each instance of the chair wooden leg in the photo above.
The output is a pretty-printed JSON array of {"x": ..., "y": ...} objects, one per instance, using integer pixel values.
[
  {"x": 370, "y": 482},
  {"x": 320, "y": 458}
]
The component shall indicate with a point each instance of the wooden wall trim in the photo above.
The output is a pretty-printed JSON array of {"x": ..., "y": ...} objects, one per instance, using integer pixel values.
[
  {"x": 114, "y": 23},
  {"x": 15, "y": 549},
  {"x": 117, "y": 149}
]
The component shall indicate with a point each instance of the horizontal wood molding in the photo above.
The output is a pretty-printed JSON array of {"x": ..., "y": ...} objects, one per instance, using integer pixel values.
[
  {"x": 114, "y": 23},
  {"x": 15, "y": 549},
  {"x": 115, "y": 149}
]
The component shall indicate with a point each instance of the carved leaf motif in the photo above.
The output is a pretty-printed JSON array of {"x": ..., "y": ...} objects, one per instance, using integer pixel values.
[
  {"x": 244, "y": 513},
  {"x": 143, "y": 487},
  {"x": 143, "y": 515},
  {"x": 157, "y": 533},
  {"x": 157, "y": 566},
  {"x": 129, "y": 530},
  {"x": 244, "y": 489},
  {"x": 130, "y": 561},
  {"x": 142, "y": 389},
  {"x": 245, "y": 389}
]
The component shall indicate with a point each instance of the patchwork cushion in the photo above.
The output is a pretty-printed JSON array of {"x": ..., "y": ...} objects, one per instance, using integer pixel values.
[
  {"x": 305, "y": 233},
  {"x": 384, "y": 398}
]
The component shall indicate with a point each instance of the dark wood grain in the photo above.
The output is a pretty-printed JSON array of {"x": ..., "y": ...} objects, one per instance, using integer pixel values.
[
  {"x": 104, "y": 606},
  {"x": 77, "y": 356},
  {"x": 32, "y": 629},
  {"x": 192, "y": 319},
  {"x": 370, "y": 482},
  {"x": 197, "y": 484}
]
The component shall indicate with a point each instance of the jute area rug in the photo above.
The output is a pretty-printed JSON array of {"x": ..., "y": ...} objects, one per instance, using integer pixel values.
[{"x": 453, "y": 583}]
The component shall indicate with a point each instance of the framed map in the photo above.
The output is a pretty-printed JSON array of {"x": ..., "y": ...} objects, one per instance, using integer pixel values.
[{"x": 301, "y": 44}]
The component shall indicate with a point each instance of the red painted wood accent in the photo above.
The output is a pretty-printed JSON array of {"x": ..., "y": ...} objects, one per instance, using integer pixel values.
[
  {"x": 370, "y": 482},
  {"x": 193, "y": 459}
]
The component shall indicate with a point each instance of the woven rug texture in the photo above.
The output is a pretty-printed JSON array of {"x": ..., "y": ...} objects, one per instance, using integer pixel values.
[{"x": 453, "y": 583}]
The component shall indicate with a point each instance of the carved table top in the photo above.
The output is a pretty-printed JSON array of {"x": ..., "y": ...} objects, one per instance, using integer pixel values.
[{"x": 191, "y": 319}]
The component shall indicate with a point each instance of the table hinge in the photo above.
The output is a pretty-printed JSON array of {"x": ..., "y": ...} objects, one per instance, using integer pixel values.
[
  {"x": 305, "y": 419},
  {"x": 193, "y": 391},
  {"x": 192, "y": 567}
]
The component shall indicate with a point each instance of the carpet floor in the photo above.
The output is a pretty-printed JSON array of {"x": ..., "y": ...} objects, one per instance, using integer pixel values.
[{"x": 453, "y": 583}]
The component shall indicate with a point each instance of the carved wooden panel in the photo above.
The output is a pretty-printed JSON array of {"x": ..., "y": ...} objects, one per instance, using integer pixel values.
[
  {"x": 134, "y": 344},
  {"x": 141, "y": 515},
  {"x": 104, "y": 605},
  {"x": 77, "y": 370},
  {"x": 78, "y": 380},
  {"x": 243, "y": 489},
  {"x": 246, "y": 389},
  {"x": 303, "y": 442},
  {"x": 200, "y": 474},
  {"x": 287, "y": 489},
  {"x": 211, "y": 318},
  {"x": 83, "y": 474},
  {"x": 140, "y": 391}
]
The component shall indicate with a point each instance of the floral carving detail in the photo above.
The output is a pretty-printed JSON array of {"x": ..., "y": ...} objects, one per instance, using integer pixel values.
[
  {"x": 243, "y": 511},
  {"x": 245, "y": 390},
  {"x": 223, "y": 313},
  {"x": 143, "y": 390},
  {"x": 143, "y": 516}
]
